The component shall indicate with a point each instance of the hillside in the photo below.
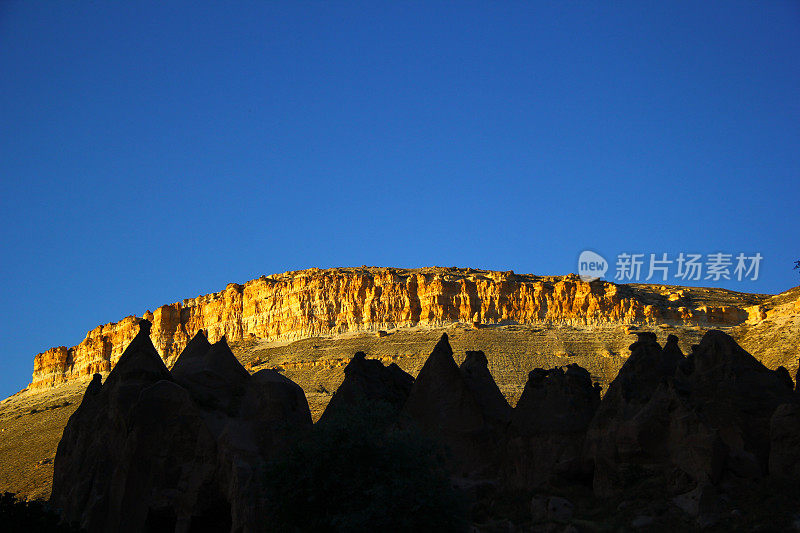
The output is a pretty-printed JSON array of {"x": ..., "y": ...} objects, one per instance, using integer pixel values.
[{"x": 520, "y": 321}]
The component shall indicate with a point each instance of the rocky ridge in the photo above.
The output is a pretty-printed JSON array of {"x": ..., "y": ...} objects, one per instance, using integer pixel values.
[{"x": 316, "y": 302}]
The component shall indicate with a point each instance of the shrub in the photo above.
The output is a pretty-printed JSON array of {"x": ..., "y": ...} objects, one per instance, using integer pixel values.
[{"x": 18, "y": 515}]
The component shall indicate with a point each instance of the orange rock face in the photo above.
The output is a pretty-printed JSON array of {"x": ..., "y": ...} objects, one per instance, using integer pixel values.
[{"x": 317, "y": 302}]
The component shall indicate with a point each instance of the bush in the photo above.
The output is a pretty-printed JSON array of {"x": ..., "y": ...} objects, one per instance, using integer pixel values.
[
  {"x": 18, "y": 515},
  {"x": 359, "y": 473}
]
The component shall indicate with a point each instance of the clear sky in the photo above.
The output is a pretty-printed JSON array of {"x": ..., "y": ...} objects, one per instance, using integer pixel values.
[{"x": 154, "y": 151}]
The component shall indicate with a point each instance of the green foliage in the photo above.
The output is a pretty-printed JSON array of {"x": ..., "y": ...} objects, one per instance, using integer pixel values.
[
  {"x": 359, "y": 472},
  {"x": 18, "y": 515}
]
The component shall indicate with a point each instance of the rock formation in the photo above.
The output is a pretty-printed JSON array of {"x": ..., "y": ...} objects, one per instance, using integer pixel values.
[
  {"x": 691, "y": 420},
  {"x": 458, "y": 409},
  {"x": 211, "y": 377},
  {"x": 784, "y": 453},
  {"x": 317, "y": 302},
  {"x": 151, "y": 449},
  {"x": 475, "y": 370},
  {"x": 548, "y": 427},
  {"x": 738, "y": 395},
  {"x": 147, "y": 450},
  {"x": 797, "y": 379},
  {"x": 368, "y": 381}
]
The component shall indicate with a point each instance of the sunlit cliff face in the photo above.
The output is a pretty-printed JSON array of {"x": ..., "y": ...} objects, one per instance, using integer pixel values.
[{"x": 315, "y": 302}]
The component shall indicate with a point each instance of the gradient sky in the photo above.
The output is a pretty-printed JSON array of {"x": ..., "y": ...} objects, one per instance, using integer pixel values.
[{"x": 152, "y": 152}]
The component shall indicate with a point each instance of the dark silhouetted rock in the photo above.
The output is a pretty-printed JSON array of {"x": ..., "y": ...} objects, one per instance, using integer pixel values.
[
  {"x": 736, "y": 395},
  {"x": 559, "y": 508},
  {"x": 146, "y": 452},
  {"x": 797, "y": 379},
  {"x": 784, "y": 455},
  {"x": 710, "y": 416},
  {"x": 194, "y": 352},
  {"x": 213, "y": 376},
  {"x": 275, "y": 407},
  {"x": 140, "y": 362},
  {"x": 475, "y": 370},
  {"x": 630, "y": 430},
  {"x": 94, "y": 386},
  {"x": 703, "y": 504},
  {"x": 548, "y": 427},
  {"x": 93, "y": 444},
  {"x": 671, "y": 356},
  {"x": 443, "y": 405},
  {"x": 368, "y": 381},
  {"x": 556, "y": 400},
  {"x": 784, "y": 375}
]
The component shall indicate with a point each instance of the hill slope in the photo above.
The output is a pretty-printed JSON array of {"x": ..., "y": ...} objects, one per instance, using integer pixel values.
[{"x": 520, "y": 321}]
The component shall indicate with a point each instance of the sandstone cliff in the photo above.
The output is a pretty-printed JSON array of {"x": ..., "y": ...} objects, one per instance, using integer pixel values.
[{"x": 314, "y": 302}]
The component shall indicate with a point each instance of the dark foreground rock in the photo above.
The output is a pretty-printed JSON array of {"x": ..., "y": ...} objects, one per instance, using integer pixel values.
[
  {"x": 151, "y": 451},
  {"x": 784, "y": 454},
  {"x": 458, "y": 407},
  {"x": 367, "y": 381},
  {"x": 690, "y": 421},
  {"x": 548, "y": 426},
  {"x": 710, "y": 439}
]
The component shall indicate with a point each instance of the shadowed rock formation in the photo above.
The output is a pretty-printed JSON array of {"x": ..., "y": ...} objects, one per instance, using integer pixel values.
[
  {"x": 783, "y": 373},
  {"x": 154, "y": 450},
  {"x": 211, "y": 373},
  {"x": 274, "y": 409},
  {"x": 195, "y": 351},
  {"x": 737, "y": 395},
  {"x": 369, "y": 381},
  {"x": 784, "y": 454},
  {"x": 459, "y": 411},
  {"x": 797, "y": 379},
  {"x": 548, "y": 427},
  {"x": 691, "y": 420},
  {"x": 475, "y": 370},
  {"x": 146, "y": 451}
]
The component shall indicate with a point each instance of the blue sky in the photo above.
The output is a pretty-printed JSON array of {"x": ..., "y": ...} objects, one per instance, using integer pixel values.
[{"x": 156, "y": 152}]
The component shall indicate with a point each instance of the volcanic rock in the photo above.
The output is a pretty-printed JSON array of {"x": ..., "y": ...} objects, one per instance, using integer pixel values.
[
  {"x": 475, "y": 370},
  {"x": 366, "y": 382},
  {"x": 548, "y": 426},
  {"x": 444, "y": 405},
  {"x": 631, "y": 427},
  {"x": 275, "y": 409},
  {"x": 146, "y": 452},
  {"x": 211, "y": 373},
  {"x": 737, "y": 395},
  {"x": 783, "y": 373},
  {"x": 784, "y": 454},
  {"x": 702, "y": 415}
]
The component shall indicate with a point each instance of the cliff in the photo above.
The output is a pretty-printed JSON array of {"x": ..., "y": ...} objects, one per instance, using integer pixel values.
[{"x": 315, "y": 302}]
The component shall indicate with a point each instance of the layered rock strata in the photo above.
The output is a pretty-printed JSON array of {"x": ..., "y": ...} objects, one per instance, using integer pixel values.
[{"x": 315, "y": 302}]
